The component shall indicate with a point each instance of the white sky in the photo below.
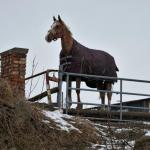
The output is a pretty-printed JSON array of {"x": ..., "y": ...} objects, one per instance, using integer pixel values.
[{"x": 120, "y": 27}]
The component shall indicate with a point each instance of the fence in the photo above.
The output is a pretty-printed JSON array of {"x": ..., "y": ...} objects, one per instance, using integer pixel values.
[
  {"x": 67, "y": 102},
  {"x": 121, "y": 92},
  {"x": 49, "y": 90}
]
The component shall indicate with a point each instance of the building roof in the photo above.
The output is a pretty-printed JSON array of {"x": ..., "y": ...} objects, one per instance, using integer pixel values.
[{"x": 133, "y": 101}]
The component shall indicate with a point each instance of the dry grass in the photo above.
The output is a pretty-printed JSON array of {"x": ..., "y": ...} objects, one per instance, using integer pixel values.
[
  {"x": 6, "y": 95},
  {"x": 22, "y": 127},
  {"x": 142, "y": 143},
  {"x": 89, "y": 130}
]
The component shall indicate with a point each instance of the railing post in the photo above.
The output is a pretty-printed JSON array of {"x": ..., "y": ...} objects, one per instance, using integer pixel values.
[
  {"x": 62, "y": 100},
  {"x": 48, "y": 88},
  {"x": 120, "y": 100},
  {"x": 59, "y": 97},
  {"x": 67, "y": 85}
]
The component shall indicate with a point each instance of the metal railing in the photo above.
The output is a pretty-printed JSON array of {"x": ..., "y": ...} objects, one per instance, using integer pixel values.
[
  {"x": 67, "y": 76},
  {"x": 121, "y": 92}
]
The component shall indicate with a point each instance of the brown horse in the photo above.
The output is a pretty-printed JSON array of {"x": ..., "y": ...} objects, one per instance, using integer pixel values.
[{"x": 84, "y": 60}]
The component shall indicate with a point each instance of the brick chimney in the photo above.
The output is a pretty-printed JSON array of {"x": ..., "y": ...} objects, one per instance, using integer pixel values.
[{"x": 13, "y": 69}]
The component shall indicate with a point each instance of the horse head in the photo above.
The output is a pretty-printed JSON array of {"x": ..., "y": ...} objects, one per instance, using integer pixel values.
[{"x": 56, "y": 31}]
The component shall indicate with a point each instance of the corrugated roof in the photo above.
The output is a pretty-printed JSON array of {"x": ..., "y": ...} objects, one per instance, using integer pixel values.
[{"x": 132, "y": 101}]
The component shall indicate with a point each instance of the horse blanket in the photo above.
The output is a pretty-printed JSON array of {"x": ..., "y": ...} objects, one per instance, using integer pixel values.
[{"x": 89, "y": 61}]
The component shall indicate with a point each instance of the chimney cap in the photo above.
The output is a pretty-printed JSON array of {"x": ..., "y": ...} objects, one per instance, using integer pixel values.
[{"x": 16, "y": 50}]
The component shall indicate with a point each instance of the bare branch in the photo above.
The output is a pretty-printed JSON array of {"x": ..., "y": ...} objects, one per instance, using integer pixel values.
[{"x": 34, "y": 66}]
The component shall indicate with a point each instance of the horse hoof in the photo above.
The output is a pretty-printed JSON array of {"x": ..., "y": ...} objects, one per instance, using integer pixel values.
[
  {"x": 108, "y": 108},
  {"x": 103, "y": 108},
  {"x": 70, "y": 106},
  {"x": 79, "y": 107}
]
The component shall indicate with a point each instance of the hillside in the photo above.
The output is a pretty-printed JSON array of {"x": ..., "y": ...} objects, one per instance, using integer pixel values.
[{"x": 24, "y": 126}]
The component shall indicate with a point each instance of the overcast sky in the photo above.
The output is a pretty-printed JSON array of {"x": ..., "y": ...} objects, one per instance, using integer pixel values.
[{"x": 120, "y": 27}]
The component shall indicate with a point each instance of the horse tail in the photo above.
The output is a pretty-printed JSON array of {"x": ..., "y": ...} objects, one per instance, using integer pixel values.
[
  {"x": 101, "y": 86},
  {"x": 117, "y": 69}
]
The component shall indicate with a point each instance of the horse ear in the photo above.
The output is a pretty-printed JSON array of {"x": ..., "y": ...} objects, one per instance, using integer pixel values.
[
  {"x": 59, "y": 18},
  {"x": 54, "y": 18}
]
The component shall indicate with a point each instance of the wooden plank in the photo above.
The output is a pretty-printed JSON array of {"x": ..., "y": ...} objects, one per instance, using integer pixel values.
[
  {"x": 48, "y": 88},
  {"x": 54, "y": 79},
  {"x": 42, "y": 95}
]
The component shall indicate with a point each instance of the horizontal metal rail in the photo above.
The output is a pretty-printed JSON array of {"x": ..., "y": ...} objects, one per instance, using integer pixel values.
[
  {"x": 132, "y": 107},
  {"x": 38, "y": 74},
  {"x": 112, "y": 105},
  {"x": 104, "y": 77},
  {"x": 117, "y": 92}
]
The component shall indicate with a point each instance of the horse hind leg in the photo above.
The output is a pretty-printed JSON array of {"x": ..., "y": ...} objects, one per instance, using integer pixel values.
[
  {"x": 109, "y": 94},
  {"x": 102, "y": 94}
]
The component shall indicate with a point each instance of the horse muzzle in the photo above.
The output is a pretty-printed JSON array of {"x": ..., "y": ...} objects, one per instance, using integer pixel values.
[{"x": 50, "y": 37}]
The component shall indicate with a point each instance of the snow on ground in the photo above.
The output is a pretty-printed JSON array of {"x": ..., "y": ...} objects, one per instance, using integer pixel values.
[
  {"x": 147, "y": 133},
  {"x": 108, "y": 140},
  {"x": 59, "y": 118},
  {"x": 122, "y": 129},
  {"x": 64, "y": 122},
  {"x": 146, "y": 123}
]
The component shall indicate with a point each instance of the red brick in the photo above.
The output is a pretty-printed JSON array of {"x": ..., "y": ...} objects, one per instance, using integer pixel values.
[{"x": 13, "y": 68}]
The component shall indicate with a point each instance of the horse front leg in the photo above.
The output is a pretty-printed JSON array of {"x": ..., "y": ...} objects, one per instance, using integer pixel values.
[
  {"x": 102, "y": 96},
  {"x": 78, "y": 83},
  {"x": 69, "y": 94}
]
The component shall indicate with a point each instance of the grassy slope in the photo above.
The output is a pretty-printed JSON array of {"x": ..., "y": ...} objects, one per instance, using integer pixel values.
[{"x": 22, "y": 127}]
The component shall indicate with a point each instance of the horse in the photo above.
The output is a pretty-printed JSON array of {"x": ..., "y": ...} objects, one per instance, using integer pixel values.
[{"x": 84, "y": 60}]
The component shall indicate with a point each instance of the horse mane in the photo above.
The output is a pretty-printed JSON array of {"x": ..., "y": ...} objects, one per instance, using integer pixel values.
[{"x": 67, "y": 28}]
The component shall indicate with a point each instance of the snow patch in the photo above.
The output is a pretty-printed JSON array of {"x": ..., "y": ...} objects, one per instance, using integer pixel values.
[
  {"x": 58, "y": 118},
  {"x": 98, "y": 147},
  {"x": 146, "y": 123},
  {"x": 122, "y": 129},
  {"x": 45, "y": 121},
  {"x": 147, "y": 133}
]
